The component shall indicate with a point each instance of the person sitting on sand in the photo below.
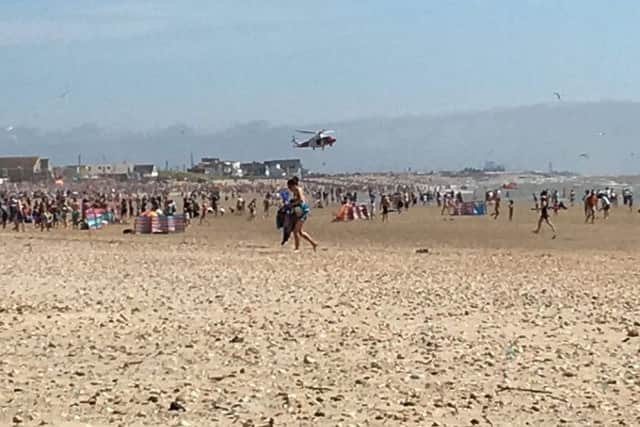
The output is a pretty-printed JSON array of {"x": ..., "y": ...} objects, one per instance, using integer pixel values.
[{"x": 301, "y": 211}]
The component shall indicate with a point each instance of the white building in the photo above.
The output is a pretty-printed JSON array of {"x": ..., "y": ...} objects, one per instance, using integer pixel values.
[
  {"x": 109, "y": 169},
  {"x": 145, "y": 171}
]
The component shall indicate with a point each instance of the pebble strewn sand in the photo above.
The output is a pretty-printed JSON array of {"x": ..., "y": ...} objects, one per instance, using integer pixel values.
[{"x": 207, "y": 329}]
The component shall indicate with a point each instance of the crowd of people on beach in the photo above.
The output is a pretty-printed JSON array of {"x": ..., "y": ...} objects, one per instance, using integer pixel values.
[
  {"x": 53, "y": 208},
  {"x": 47, "y": 210},
  {"x": 43, "y": 210}
]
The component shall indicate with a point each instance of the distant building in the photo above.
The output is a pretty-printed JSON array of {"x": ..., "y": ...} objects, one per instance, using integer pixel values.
[
  {"x": 281, "y": 168},
  {"x": 145, "y": 171},
  {"x": 217, "y": 168},
  {"x": 253, "y": 169},
  {"x": 210, "y": 160},
  {"x": 71, "y": 172},
  {"x": 112, "y": 170},
  {"x": 26, "y": 168},
  {"x": 491, "y": 166},
  {"x": 67, "y": 172}
]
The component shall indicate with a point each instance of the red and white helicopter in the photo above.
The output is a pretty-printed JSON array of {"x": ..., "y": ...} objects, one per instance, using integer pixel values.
[{"x": 319, "y": 139}]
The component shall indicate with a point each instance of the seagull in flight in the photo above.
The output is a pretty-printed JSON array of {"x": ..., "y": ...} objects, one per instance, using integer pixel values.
[
  {"x": 584, "y": 155},
  {"x": 9, "y": 128},
  {"x": 601, "y": 133},
  {"x": 64, "y": 94},
  {"x": 557, "y": 95}
]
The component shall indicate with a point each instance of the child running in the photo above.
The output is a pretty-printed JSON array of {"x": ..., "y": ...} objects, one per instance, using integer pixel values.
[{"x": 496, "y": 208}]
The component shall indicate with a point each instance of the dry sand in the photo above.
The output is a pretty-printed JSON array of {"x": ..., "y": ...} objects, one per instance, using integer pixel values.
[{"x": 493, "y": 326}]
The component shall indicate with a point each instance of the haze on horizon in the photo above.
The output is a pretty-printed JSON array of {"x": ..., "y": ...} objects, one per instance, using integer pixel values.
[
  {"x": 426, "y": 85},
  {"x": 148, "y": 64}
]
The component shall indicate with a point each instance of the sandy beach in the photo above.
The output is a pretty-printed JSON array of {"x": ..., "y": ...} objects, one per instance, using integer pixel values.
[{"x": 492, "y": 326}]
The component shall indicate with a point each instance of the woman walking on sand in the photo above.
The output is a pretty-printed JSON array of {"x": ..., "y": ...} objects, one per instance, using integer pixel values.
[
  {"x": 386, "y": 204},
  {"x": 544, "y": 214},
  {"x": 19, "y": 216},
  {"x": 301, "y": 213}
]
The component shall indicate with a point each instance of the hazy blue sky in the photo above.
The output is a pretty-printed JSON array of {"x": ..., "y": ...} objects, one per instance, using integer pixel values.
[{"x": 212, "y": 63}]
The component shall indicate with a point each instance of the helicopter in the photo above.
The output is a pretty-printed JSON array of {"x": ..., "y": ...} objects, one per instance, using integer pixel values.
[{"x": 319, "y": 139}]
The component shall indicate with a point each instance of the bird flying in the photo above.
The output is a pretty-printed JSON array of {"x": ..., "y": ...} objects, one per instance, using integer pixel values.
[
  {"x": 584, "y": 155},
  {"x": 557, "y": 95}
]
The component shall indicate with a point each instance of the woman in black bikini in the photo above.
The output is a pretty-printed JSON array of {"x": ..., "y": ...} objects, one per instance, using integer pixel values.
[{"x": 544, "y": 214}]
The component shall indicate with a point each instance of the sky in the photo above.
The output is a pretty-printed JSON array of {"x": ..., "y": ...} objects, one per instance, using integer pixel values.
[{"x": 212, "y": 64}]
